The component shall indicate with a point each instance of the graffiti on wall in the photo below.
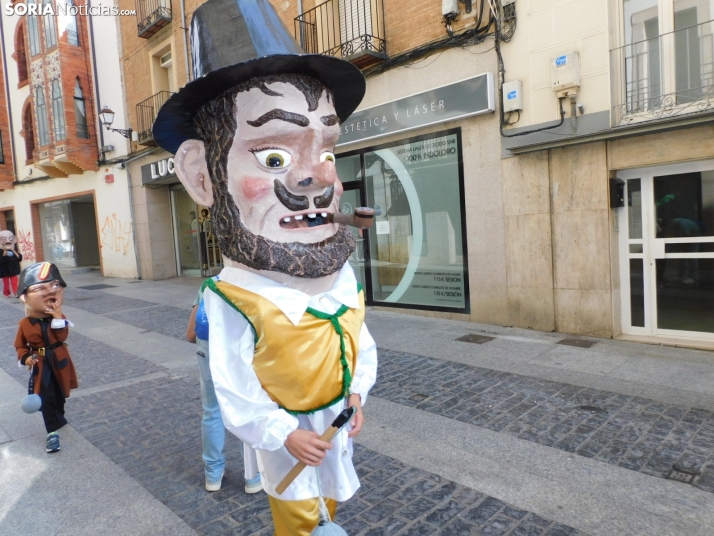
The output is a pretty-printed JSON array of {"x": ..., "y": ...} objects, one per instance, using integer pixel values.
[
  {"x": 116, "y": 234},
  {"x": 27, "y": 247}
]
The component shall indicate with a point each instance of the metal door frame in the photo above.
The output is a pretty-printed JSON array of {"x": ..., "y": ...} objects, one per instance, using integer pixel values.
[{"x": 653, "y": 249}]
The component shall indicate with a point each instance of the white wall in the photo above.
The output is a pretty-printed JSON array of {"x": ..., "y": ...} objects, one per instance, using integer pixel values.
[{"x": 546, "y": 29}]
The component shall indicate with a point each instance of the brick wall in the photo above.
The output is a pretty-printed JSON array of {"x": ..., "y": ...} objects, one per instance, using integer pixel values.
[{"x": 7, "y": 173}]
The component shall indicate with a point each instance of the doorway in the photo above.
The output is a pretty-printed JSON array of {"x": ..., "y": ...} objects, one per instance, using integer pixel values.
[
  {"x": 69, "y": 232},
  {"x": 667, "y": 251},
  {"x": 197, "y": 251}
]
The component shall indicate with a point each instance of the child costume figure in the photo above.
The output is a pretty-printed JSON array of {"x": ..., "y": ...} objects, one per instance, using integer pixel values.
[
  {"x": 253, "y": 137},
  {"x": 9, "y": 263},
  {"x": 40, "y": 344}
]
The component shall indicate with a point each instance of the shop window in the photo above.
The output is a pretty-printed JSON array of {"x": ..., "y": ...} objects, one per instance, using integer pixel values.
[
  {"x": 33, "y": 31},
  {"x": 58, "y": 111},
  {"x": 417, "y": 246},
  {"x": 50, "y": 28},
  {"x": 21, "y": 54},
  {"x": 80, "y": 112},
  {"x": 28, "y": 131},
  {"x": 43, "y": 130}
]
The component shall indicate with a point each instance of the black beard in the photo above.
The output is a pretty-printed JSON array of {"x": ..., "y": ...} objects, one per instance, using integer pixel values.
[{"x": 295, "y": 259}]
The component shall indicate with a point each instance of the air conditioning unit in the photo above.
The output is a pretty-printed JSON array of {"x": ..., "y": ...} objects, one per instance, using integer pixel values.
[{"x": 165, "y": 60}]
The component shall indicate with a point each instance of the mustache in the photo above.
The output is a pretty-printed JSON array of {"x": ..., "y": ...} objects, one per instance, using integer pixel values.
[{"x": 301, "y": 202}]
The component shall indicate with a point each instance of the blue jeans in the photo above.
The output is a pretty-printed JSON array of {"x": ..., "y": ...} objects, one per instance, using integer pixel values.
[{"x": 212, "y": 430}]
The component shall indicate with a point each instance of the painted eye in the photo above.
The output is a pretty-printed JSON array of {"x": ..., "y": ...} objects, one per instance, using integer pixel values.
[
  {"x": 273, "y": 158},
  {"x": 327, "y": 156}
]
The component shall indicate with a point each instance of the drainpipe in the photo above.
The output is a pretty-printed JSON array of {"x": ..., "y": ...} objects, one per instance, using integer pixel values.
[
  {"x": 97, "y": 104},
  {"x": 9, "y": 107},
  {"x": 185, "y": 44},
  {"x": 299, "y": 6}
]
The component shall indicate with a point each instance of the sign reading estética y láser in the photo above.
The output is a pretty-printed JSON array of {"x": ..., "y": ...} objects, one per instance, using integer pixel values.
[{"x": 472, "y": 96}]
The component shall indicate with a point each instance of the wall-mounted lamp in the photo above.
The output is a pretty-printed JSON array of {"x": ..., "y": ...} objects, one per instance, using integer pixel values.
[{"x": 107, "y": 116}]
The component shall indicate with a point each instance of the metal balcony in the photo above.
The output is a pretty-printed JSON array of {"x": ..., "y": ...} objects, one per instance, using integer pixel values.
[
  {"x": 152, "y": 16},
  {"x": 665, "y": 76},
  {"x": 350, "y": 29},
  {"x": 146, "y": 112}
]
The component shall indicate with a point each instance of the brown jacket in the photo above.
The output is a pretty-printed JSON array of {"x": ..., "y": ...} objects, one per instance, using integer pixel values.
[{"x": 29, "y": 340}]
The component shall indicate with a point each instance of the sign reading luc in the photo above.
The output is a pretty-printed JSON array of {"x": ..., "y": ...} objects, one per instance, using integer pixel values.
[{"x": 159, "y": 173}]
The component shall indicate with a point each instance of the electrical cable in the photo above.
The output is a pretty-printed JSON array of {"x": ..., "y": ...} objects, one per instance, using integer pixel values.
[
  {"x": 501, "y": 78},
  {"x": 468, "y": 37}
]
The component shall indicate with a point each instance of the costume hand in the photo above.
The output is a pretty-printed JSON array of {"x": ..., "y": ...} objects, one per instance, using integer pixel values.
[
  {"x": 55, "y": 309},
  {"x": 307, "y": 447},
  {"x": 358, "y": 419},
  {"x": 30, "y": 362}
]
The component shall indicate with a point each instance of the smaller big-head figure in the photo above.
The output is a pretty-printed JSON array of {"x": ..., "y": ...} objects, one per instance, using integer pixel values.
[
  {"x": 9, "y": 263},
  {"x": 40, "y": 345}
]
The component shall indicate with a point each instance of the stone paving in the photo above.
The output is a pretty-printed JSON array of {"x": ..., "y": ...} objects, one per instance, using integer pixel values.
[
  {"x": 152, "y": 430},
  {"x": 96, "y": 363},
  {"x": 630, "y": 432}
]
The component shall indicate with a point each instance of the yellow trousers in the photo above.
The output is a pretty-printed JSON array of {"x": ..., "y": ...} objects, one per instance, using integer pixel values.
[{"x": 297, "y": 518}]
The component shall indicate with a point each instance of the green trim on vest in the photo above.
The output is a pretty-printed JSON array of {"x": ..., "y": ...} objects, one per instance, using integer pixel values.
[{"x": 210, "y": 283}]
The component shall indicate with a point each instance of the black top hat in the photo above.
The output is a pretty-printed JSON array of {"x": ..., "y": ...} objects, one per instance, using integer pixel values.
[
  {"x": 235, "y": 40},
  {"x": 40, "y": 272}
]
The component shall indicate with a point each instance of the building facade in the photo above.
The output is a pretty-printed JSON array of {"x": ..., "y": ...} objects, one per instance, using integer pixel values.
[
  {"x": 534, "y": 163},
  {"x": 63, "y": 192}
]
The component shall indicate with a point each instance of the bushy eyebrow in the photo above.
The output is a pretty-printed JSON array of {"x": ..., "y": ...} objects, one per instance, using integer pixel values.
[
  {"x": 329, "y": 120},
  {"x": 277, "y": 113}
]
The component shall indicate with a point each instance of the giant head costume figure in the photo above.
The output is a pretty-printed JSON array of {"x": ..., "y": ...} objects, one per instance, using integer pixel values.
[
  {"x": 7, "y": 240},
  {"x": 254, "y": 136}
]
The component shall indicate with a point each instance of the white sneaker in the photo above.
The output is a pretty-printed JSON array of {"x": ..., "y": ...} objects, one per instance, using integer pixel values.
[
  {"x": 214, "y": 486},
  {"x": 689, "y": 281},
  {"x": 254, "y": 485}
]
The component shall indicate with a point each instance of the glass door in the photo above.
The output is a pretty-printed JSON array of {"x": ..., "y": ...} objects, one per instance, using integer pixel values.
[
  {"x": 186, "y": 232},
  {"x": 667, "y": 251},
  {"x": 349, "y": 170}
]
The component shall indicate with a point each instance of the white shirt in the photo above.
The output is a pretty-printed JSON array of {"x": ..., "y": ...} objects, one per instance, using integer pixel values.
[{"x": 250, "y": 414}]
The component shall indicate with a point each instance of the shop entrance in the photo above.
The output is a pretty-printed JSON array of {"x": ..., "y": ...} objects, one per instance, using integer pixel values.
[
  {"x": 197, "y": 250},
  {"x": 667, "y": 251},
  {"x": 69, "y": 232}
]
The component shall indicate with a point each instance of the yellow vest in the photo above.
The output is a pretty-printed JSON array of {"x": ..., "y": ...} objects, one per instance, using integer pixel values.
[{"x": 303, "y": 368}]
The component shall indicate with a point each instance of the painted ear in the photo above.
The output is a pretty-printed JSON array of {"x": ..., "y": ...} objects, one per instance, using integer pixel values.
[{"x": 192, "y": 171}]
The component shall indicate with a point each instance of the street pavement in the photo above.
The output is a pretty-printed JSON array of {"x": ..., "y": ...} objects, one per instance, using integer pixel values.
[{"x": 471, "y": 429}]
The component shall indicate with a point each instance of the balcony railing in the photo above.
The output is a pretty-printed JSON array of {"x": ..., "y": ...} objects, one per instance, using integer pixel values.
[
  {"x": 665, "y": 76},
  {"x": 351, "y": 29},
  {"x": 152, "y": 16},
  {"x": 146, "y": 112}
]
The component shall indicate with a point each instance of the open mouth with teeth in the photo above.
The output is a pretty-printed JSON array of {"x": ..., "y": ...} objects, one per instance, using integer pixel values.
[{"x": 304, "y": 221}]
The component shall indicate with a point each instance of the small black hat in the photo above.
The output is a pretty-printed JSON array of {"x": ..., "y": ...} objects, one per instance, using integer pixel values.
[
  {"x": 39, "y": 272},
  {"x": 233, "y": 41}
]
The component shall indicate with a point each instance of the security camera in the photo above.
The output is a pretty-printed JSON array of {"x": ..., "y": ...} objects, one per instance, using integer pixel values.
[{"x": 121, "y": 165}]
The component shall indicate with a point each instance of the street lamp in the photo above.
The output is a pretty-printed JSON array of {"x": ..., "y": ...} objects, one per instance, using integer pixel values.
[{"x": 107, "y": 116}]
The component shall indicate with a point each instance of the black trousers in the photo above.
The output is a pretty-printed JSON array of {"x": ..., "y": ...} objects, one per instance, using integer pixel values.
[{"x": 52, "y": 404}]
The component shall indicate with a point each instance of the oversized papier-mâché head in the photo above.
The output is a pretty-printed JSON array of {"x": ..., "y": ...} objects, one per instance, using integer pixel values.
[
  {"x": 7, "y": 240},
  {"x": 254, "y": 135},
  {"x": 41, "y": 289}
]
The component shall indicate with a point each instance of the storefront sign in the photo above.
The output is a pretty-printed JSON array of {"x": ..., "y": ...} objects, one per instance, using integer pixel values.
[
  {"x": 469, "y": 97},
  {"x": 159, "y": 173}
]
